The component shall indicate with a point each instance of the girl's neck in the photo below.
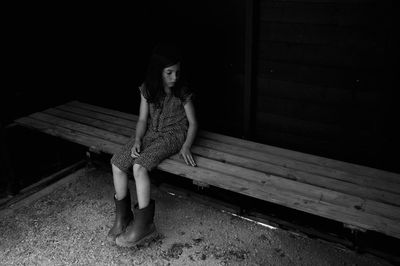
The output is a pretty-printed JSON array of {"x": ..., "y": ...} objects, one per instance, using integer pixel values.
[{"x": 167, "y": 90}]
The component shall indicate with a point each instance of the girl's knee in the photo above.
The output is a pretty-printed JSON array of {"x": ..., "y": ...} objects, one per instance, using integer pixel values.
[
  {"x": 138, "y": 170},
  {"x": 116, "y": 170}
]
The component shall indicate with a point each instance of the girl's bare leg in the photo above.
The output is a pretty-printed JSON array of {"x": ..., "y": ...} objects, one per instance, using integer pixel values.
[
  {"x": 142, "y": 181},
  {"x": 120, "y": 179}
]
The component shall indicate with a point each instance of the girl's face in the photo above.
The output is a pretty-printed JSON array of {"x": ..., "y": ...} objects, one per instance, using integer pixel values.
[{"x": 171, "y": 75}]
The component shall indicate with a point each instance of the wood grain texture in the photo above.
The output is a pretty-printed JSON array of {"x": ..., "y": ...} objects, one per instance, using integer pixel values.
[{"x": 352, "y": 194}]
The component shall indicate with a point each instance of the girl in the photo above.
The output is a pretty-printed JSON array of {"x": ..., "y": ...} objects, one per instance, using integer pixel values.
[{"x": 167, "y": 125}]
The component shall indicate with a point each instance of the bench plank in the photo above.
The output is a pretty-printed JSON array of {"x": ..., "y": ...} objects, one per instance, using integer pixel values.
[
  {"x": 299, "y": 188},
  {"x": 221, "y": 167},
  {"x": 89, "y": 130},
  {"x": 92, "y": 142},
  {"x": 302, "y": 166},
  {"x": 90, "y": 121},
  {"x": 312, "y": 179},
  {"x": 362, "y": 175},
  {"x": 308, "y": 170},
  {"x": 299, "y": 202},
  {"x": 277, "y": 182},
  {"x": 321, "y": 181},
  {"x": 99, "y": 116},
  {"x": 242, "y": 167},
  {"x": 299, "y": 156}
]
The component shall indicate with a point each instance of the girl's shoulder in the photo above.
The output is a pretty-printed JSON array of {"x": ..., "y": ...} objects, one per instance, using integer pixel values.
[
  {"x": 142, "y": 87},
  {"x": 186, "y": 94},
  {"x": 143, "y": 90}
]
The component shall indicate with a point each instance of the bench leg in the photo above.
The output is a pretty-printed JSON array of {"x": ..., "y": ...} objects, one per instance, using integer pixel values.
[
  {"x": 89, "y": 161},
  {"x": 200, "y": 185},
  {"x": 356, "y": 237},
  {"x": 7, "y": 169}
]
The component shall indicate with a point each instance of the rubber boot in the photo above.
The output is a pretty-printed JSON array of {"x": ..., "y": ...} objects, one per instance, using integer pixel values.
[
  {"x": 123, "y": 216},
  {"x": 141, "y": 229}
]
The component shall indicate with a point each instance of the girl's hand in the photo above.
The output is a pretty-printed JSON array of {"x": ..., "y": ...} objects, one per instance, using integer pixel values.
[
  {"x": 187, "y": 156},
  {"x": 136, "y": 149}
]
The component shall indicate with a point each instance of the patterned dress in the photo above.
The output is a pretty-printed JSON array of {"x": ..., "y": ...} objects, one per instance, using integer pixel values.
[{"x": 166, "y": 132}]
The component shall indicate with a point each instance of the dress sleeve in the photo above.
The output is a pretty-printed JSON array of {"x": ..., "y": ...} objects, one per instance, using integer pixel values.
[
  {"x": 187, "y": 95},
  {"x": 142, "y": 90}
]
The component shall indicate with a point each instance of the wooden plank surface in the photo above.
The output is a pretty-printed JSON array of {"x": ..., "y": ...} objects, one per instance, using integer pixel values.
[
  {"x": 71, "y": 135},
  {"x": 124, "y": 130},
  {"x": 336, "y": 167},
  {"x": 208, "y": 151},
  {"x": 104, "y": 134},
  {"x": 334, "y": 212},
  {"x": 78, "y": 127},
  {"x": 223, "y": 162},
  {"x": 302, "y": 162},
  {"x": 308, "y": 178}
]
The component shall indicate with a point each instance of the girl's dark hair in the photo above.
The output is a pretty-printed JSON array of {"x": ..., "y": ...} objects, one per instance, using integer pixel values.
[{"x": 164, "y": 55}]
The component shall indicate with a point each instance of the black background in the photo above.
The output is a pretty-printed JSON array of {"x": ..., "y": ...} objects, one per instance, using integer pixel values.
[{"x": 97, "y": 53}]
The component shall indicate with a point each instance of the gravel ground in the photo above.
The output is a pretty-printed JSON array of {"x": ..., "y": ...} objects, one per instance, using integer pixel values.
[{"x": 69, "y": 226}]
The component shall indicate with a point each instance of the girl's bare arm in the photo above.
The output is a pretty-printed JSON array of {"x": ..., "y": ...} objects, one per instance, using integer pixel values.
[
  {"x": 141, "y": 126},
  {"x": 191, "y": 134}
]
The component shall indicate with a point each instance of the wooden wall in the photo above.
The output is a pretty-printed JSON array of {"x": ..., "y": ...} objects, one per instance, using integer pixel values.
[
  {"x": 319, "y": 70},
  {"x": 321, "y": 76}
]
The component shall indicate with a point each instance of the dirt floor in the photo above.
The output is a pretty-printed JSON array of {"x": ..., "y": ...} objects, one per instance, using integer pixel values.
[{"x": 69, "y": 226}]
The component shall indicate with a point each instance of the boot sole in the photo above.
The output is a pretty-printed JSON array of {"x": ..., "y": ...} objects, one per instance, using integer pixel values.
[
  {"x": 150, "y": 236},
  {"x": 111, "y": 238}
]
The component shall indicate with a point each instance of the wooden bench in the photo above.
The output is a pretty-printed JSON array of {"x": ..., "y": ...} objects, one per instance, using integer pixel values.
[{"x": 358, "y": 196}]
